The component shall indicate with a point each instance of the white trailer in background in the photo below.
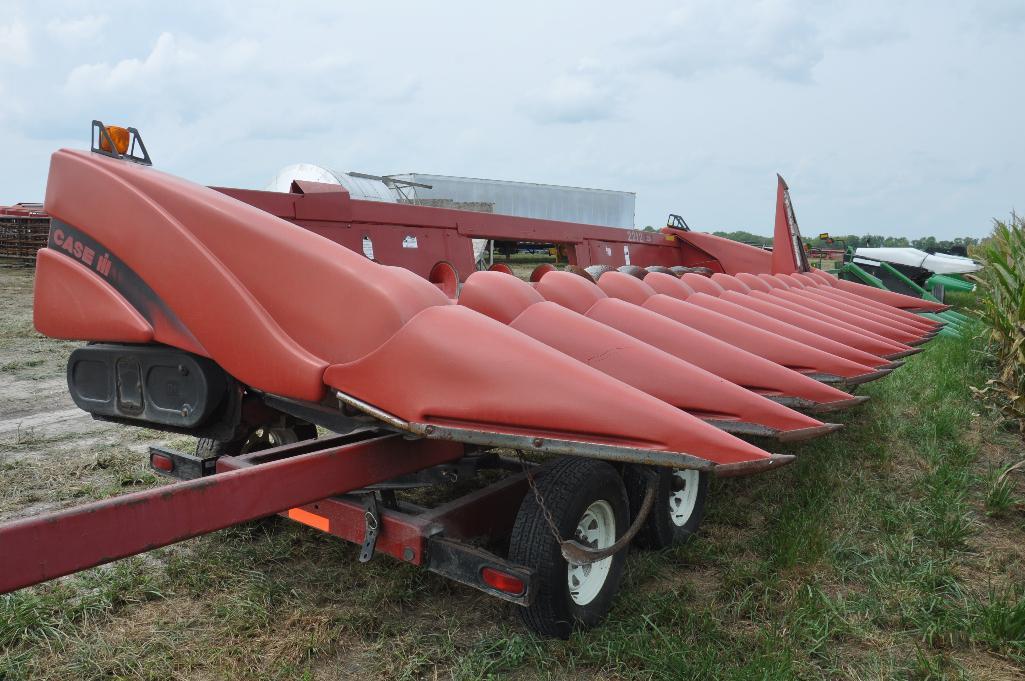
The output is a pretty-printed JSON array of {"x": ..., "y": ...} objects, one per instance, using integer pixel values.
[{"x": 603, "y": 207}]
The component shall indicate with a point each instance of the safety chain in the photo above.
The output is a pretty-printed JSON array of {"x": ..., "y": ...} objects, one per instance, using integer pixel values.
[
  {"x": 576, "y": 553},
  {"x": 540, "y": 500}
]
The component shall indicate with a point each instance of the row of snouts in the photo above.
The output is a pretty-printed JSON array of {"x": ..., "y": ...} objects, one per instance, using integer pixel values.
[{"x": 751, "y": 354}]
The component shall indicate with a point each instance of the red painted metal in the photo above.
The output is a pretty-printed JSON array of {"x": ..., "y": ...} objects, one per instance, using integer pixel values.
[
  {"x": 400, "y": 536},
  {"x": 487, "y": 512},
  {"x": 831, "y": 320},
  {"x": 737, "y": 309},
  {"x": 829, "y": 317},
  {"x": 753, "y": 282},
  {"x": 825, "y": 326},
  {"x": 53, "y": 544},
  {"x": 789, "y": 353},
  {"x": 909, "y": 325},
  {"x": 787, "y": 247},
  {"x": 782, "y": 284},
  {"x": 766, "y": 284},
  {"x": 799, "y": 327},
  {"x": 446, "y": 235},
  {"x": 71, "y": 301},
  {"x": 516, "y": 385},
  {"x": 721, "y": 254},
  {"x": 540, "y": 271},
  {"x": 788, "y": 257},
  {"x": 702, "y": 284},
  {"x": 617, "y": 354},
  {"x": 887, "y": 312},
  {"x": 724, "y": 360},
  {"x": 881, "y": 328},
  {"x": 445, "y": 277},
  {"x": 728, "y": 282},
  {"x": 888, "y": 298}
]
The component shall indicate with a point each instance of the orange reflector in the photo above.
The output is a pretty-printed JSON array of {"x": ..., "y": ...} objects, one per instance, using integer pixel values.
[
  {"x": 161, "y": 462},
  {"x": 119, "y": 136},
  {"x": 311, "y": 519},
  {"x": 502, "y": 581}
]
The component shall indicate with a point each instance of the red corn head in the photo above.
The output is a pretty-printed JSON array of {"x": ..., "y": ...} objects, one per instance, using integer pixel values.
[{"x": 291, "y": 314}]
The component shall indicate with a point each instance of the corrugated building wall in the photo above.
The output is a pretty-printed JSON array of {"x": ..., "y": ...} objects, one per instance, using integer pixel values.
[{"x": 525, "y": 199}]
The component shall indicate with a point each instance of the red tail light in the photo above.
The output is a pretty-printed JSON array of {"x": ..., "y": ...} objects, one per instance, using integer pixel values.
[
  {"x": 502, "y": 581},
  {"x": 161, "y": 462}
]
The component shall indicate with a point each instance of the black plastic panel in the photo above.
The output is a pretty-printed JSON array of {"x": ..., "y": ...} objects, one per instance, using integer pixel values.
[{"x": 149, "y": 383}]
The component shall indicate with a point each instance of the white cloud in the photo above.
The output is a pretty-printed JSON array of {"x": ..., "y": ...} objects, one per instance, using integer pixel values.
[
  {"x": 129, "y": 74},
  {"x": 76, "y": 30},
  {"x": 585, "y": 94},
  {"x": 771, "y": 37},
  {"x": 1002, "y": 15},
  {"x": 14, "y": 44},
  {"x": 779, "y": 39},
  {"x": 888, "y": 117}
]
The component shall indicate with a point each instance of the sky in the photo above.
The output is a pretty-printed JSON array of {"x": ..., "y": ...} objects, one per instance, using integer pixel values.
[{"x": 903, "y": 119}]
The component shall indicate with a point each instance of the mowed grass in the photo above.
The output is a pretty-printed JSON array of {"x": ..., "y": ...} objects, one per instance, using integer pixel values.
[{"x": 886, "y": 551}]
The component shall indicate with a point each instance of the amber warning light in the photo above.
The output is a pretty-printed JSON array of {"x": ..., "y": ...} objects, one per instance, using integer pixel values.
[{"x": 118, "y": 135}]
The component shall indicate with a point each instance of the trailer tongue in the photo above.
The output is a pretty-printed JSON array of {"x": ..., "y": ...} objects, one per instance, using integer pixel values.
[{"x": 51, "y": 545}]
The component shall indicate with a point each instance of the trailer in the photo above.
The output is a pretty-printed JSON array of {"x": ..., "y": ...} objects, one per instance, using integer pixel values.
[
  {"x": 23, "y": 230},
  {"x": 589, "y": 408}
]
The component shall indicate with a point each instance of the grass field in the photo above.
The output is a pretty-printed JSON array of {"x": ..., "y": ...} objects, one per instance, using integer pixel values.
[{"x": 886, "y": 551}]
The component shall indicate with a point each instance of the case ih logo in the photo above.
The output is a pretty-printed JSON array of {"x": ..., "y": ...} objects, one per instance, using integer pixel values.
[{"x": 77, "y": 249}]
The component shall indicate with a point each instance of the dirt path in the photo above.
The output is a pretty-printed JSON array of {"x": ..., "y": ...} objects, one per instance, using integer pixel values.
[{"x": 53, "y": 454}]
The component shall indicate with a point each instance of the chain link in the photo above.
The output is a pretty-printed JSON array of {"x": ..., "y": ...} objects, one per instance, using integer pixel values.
[{"x": 540, "y": 500}]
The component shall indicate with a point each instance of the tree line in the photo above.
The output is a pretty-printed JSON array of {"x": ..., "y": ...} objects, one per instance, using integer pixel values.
[{"x": 929, "y": 244}]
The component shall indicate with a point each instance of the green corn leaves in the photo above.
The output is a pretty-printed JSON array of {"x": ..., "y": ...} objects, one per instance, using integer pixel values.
[{"x": 1001, "y": 290}]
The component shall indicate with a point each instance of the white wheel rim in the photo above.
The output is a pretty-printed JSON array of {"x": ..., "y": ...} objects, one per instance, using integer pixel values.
[
  {"x": 596, "y": 530},
  {"x": 265, "y": 438},
  {"x": 683, "y": 500}
]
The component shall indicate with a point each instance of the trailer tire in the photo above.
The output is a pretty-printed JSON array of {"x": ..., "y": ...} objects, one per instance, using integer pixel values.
[
  {"x": 577, "y": 493},
  {"x": 254, "y": 441},
  {"x": 677, "y": 512}
]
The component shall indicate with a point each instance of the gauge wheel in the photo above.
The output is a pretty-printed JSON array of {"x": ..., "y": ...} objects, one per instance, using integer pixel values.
[
  {"x": 679, "y": 505},
  {"x": 587, "y": 502},
  {"x": 284, "y": 431}
]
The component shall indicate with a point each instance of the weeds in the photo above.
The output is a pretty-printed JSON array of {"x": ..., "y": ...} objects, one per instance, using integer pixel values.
[
  {"x": 1000, "y": 621},
  {"x": 1000, "y": 497}
]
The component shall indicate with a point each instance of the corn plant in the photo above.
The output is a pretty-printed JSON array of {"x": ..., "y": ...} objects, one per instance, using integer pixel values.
[{"x": 1001, "y": 294}]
